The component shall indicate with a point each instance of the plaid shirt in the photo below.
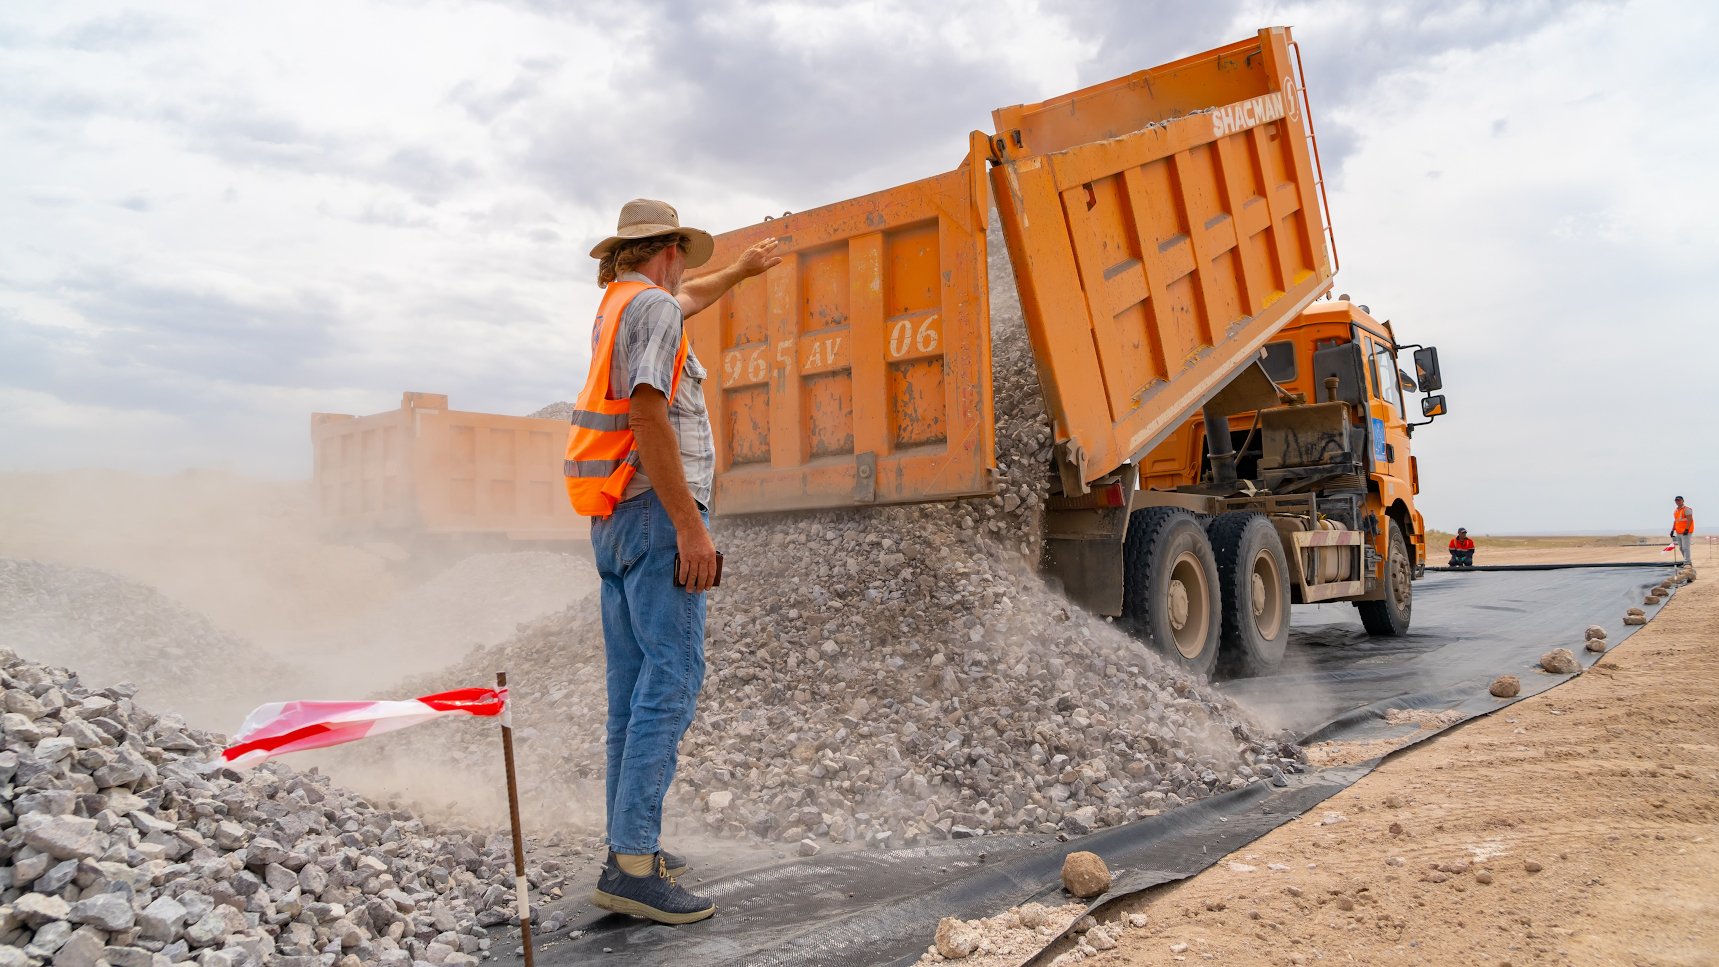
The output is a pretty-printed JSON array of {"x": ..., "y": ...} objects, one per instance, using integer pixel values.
[{"x": 645, "y": 349}]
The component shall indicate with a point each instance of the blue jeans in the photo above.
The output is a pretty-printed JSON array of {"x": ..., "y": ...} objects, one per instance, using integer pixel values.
[{"x": 653, "y": 641}]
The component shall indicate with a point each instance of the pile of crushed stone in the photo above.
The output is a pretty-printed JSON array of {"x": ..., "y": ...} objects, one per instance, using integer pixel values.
[
  {"x": 125, "y": 840},
  {"x": 117, "y": 630},
  {"x": 554, "y": 411},
  {"x": 885, "y": 676}
]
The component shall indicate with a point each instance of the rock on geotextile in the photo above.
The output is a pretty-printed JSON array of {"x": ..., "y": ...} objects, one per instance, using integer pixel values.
[
  {"x": 1506, "y": 686},
  {"x": 1560, "y": 661},
  {"x": 957, "y": 938},
  {"x": 158, "y": 865},
  {"x": 1595, "y": 631},
  {"x": 1596, "y": 645},
  {"x": 1635, "y": 619},
  {"x": 886, "y": 676},
  {"x": 1085, "y": 875}
]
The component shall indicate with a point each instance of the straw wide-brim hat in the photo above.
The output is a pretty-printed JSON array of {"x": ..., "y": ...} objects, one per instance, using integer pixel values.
[{"x": 648, "y": 218}]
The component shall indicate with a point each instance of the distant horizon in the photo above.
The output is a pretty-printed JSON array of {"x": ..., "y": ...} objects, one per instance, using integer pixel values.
[{"x": 1640, "y": 531}]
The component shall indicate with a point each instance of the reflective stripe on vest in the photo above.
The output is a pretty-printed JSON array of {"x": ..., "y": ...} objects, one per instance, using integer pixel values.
[
  {"x": 602, "y": 456},
  {"x": 597, "y": 468},
  {"x": 1683, "y": 521}
]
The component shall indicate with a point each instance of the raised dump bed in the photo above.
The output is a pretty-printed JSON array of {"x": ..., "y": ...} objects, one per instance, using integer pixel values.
[
  {"x": 858, "y": 370},
  {"x": 1162, "y": 227}
]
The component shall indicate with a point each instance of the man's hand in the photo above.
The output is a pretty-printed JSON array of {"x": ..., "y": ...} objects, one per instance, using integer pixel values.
[
  {"x": 758, "y": 259},
  {"x": 697, "y": 569}
]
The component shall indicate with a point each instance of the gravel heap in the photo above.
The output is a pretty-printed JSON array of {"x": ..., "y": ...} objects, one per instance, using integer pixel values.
[
  {"x": 886, "y": 676},
  {"x": 117, "y": 630},
  {"x": 125, "y": 840},
  {"x": 554, "y": 411}
]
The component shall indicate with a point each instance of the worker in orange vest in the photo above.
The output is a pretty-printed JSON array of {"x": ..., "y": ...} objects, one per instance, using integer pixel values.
[
  {"x": 641, "y": 463},
  {"x": 1683, "y": 528},
  {"x": 1461, "y": 549}
]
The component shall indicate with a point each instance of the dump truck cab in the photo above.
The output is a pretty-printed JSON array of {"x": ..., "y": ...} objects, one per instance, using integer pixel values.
[{"x": 1343, "y": 435}]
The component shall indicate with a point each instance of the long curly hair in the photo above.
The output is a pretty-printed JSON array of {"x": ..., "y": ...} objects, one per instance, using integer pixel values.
[{"x": 630, "y": 254}]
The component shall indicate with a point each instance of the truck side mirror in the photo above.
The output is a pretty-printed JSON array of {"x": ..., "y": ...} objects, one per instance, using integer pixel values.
[
  {"x": 1432, "y": 405},
  {"x": 1426, "y": 369}
]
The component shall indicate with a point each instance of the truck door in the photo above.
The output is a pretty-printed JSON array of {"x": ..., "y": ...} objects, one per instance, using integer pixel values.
[{"x": 1389, "y": 430}]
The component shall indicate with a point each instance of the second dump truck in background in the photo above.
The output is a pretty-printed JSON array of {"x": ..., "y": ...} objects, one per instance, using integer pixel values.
[{"x": 1164, "y": 230}]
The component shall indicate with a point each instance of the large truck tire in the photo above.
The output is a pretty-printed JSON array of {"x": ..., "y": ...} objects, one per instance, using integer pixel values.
[
  {"x": 1253, "y": 575},
  {"x": 1170, "y": 587},
  {"x": 1390, "y": 616}
]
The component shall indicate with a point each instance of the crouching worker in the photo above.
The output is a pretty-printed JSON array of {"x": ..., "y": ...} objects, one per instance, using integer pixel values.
[
  {"x": 640, "y": 463},
  {"x": 1461, "y": 549}
]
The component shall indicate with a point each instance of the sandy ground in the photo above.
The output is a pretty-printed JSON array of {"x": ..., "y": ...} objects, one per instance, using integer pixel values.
[{"x": 1576, "y": 827}]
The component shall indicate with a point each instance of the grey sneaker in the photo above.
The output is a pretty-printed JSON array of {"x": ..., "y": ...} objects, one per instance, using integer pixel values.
[{"x": 655, "y": 897}]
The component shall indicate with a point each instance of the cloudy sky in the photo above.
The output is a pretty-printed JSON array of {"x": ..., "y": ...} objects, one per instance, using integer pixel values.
[{"x": 218, "y": 218}]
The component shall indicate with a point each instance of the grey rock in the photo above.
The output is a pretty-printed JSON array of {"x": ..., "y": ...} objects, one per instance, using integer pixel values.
[
  {"x": 50, "y": 938},
  {"x": 128, "y": 957},
  {"x": 107, "y": 911},
  {"x": 64, "y": 837},
  {"x": 83, "y": 949},
  {"x": 57, "y": 877},
  {"x": 211, "y": 929},
  {"x": 36, "y": 909},
  {"x": 162, "y": 919}
]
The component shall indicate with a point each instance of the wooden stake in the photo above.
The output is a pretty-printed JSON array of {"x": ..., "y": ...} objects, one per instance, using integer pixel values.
[{"x": 521, "y": 888}]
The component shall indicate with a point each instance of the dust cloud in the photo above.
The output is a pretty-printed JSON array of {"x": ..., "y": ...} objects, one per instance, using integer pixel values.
[{"x": 215, "y": 593}]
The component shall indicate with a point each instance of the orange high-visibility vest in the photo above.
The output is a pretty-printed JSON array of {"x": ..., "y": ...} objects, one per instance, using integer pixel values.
[
  {"x": 1461, "y": 544},
  {"x": 602, "y": 455},
  {"x": 1683, "y": 521}
]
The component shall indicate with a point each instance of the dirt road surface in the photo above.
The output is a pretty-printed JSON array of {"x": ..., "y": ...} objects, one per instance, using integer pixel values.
[{"x": 1577, "y": 827}]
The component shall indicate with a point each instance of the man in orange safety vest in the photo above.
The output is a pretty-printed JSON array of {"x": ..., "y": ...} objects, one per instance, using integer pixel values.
[
  {"x": 1683, "y": 528},
  {"x": 1461, "y": 549},
  {"x": 641, "y": 462}
]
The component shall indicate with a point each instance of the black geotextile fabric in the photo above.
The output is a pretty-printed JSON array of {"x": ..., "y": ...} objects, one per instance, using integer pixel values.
[
  {"x": 858, "y": 909},
  {"x": 1467, "y": 629}
]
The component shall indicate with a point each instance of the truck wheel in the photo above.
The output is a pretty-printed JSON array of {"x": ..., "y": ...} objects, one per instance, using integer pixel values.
[
  {"x": 1170, "y": 587},
  {"x": 1390, "y": 617},
  {"x": 1253, "y": 575}
]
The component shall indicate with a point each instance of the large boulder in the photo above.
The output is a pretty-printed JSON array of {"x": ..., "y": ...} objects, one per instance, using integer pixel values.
[{"x": 1085, "y": 875}]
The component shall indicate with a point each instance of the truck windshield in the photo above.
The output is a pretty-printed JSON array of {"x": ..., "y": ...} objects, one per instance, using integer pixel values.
[{"x": 1385, "y": 377}]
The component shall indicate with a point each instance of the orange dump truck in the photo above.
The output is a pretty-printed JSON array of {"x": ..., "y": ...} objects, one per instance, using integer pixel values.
[
  {"x": 1168, "y": 245},
  {"x": 426, "y": 474}
]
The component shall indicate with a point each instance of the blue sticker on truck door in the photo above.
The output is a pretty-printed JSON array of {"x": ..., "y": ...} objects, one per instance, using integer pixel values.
[{"x": 1378, "y": 440}]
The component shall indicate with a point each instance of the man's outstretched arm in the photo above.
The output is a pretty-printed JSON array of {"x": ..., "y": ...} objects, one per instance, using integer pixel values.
[{"x": 696, "y": 295}]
